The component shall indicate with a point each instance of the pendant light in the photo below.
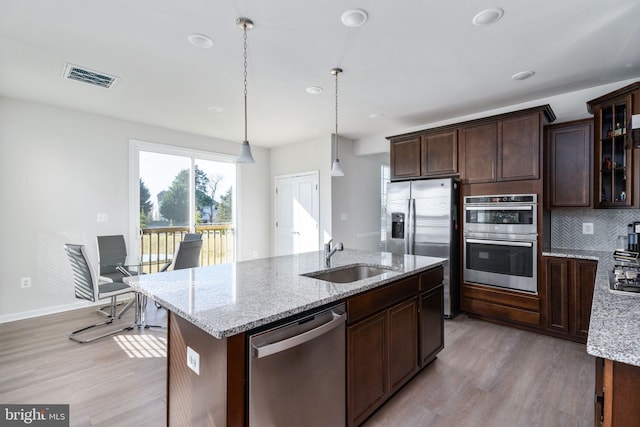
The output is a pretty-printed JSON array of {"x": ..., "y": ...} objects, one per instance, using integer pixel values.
[
  {"x": 336, "y": 170},
  {"x": 245, "y": 151}
]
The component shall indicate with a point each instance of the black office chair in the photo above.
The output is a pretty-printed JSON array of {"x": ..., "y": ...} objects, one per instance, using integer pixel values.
[{"x": 87, "y": 287}]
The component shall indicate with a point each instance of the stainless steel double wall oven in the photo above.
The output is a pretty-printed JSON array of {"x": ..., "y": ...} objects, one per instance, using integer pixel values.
[{"x": 501, "y": 241}]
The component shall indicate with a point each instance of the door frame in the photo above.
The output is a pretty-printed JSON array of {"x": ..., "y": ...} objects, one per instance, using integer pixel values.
[
  {"x": 316, "y": 174},
  {"x": 135, "y": 146}
]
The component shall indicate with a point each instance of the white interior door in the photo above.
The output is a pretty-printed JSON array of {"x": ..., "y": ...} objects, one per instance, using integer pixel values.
[{"x": 297, "y": 213}]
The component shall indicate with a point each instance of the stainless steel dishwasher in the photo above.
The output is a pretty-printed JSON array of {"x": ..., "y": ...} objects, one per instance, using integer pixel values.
[{"x": 297, "y": 372}]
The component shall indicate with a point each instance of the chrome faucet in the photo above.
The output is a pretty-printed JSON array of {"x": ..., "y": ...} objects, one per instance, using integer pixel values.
[{"x": 328, "y": 251}]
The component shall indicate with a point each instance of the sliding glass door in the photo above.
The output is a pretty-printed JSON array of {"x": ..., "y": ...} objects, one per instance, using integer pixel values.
[{"x": 181, "y": 191}]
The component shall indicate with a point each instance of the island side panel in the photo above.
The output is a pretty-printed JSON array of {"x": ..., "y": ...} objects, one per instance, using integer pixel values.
[
  {"x": 237, "y": 392},
  {"x": 195, "y": 399}
]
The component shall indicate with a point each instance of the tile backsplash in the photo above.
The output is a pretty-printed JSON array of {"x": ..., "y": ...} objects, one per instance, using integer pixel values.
[{"x": 608, "y": 224}]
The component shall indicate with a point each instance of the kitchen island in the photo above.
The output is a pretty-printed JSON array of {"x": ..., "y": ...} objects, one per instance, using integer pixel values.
[
  {"x": 614, "y": 339},
  {"x": 212, "y": 311}
]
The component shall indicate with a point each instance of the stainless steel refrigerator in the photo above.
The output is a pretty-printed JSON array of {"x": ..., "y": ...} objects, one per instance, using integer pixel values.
[{"x": 422, "y": 219}]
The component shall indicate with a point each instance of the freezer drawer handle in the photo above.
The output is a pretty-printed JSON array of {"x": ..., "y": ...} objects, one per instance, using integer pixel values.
[{"x": 280, "y": 346}]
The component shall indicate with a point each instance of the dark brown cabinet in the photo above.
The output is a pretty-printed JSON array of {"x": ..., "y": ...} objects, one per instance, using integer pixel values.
[
  {"x": 440, "y": 154},
  {"x": 503, "y": 148},
  {"x": 569, "y": 164},
  {"x": 519, "y": 148},
  {"x": 431, "y": 324},
  {"x": 382, "y": 356},
  {"x": 390, "y": 331},
  {"x": 425, "y": 155},
  {"x": 569, "y": 285},
  {"x": 366, "y": 369},
  {"x": 405, "y": 157},
  {"x": 480, "y": 147},
  {"x": 402, "y": 343},
  {"x": 616, "y": 394},
  {"x": 616, "y": 159}
]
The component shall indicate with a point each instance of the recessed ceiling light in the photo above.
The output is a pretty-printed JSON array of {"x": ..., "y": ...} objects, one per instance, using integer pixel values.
[
  {"x": 200, "y": 40},
  {"x": 523, "y": 75},
  {"x": 376, "y": 116},
  {"x": 314, "y": 90},
  {"x": 216, "y": 109},
  {"x": 354, "y": 17},
  {"x": 488, "y": 16}
]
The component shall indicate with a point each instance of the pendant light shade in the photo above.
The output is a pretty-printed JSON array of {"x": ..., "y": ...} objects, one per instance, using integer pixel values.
[
  {"x": 336, "y": 170},
  {"x": 245, "y": 152}
]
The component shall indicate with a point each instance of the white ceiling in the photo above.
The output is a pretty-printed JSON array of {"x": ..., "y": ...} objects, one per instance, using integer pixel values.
[{"x": 415, "y": 61}]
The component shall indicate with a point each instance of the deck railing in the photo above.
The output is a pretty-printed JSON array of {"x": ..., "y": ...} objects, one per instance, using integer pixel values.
[{"x": 158, "y": 244}]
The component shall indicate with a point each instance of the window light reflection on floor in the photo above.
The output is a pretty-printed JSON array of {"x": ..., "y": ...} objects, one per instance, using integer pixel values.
[{"x": 142, "y": 346}]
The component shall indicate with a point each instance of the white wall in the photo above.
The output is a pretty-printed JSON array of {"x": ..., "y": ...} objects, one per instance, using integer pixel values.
[
  {"x": 357, "y": 194},
  {"x": 356, "y": 199},
  {"x": 58, "y": 169},
  {"x": 305, "y": 156}
]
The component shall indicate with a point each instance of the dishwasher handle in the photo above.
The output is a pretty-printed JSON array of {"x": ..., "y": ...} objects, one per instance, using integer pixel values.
[{"x": 280, "y": 346}]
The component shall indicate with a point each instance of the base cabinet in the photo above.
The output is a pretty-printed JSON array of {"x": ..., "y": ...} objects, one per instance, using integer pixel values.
[
  {"x": 366, "y": 367},
  {"x": 382, "y": 357},
  {"x": 617, "y": 402},
  {"x": 431, "y": 324},
  {"x": 569, "y": 285},
  {"x": 392, "y": 332}
]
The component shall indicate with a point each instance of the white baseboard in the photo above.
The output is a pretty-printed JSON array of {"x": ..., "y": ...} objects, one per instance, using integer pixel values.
[{"x": 49, "y": 310}]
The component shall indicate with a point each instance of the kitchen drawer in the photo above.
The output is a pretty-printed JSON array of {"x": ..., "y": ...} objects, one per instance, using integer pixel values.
[
  {"x": 431, "y": 278},
  {"x": 378, "y": 299}
]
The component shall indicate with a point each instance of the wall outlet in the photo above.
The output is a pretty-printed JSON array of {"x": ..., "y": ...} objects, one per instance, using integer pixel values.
[
  {"x": 102, "y": 217},
  {"x": 344, "y": 217},
  {"x": 25, "y": 282},
  {"x": 587, "y": 228},
  {"x": 255, "y": 254},
  {"x": 193, "y": 360}
]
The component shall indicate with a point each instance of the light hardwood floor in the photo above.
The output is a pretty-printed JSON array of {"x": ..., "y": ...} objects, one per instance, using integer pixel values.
[{"x": 487, "y": 375}]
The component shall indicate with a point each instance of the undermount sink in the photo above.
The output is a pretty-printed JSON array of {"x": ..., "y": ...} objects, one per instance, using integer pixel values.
[{"x": 348, "y": 274}]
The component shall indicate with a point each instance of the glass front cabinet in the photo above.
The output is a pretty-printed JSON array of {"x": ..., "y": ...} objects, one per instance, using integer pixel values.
[{"x": 615, "y": 158}]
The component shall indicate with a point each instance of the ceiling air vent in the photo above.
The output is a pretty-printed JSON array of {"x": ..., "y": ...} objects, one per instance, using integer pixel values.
[{"x": 96, "y": 78}]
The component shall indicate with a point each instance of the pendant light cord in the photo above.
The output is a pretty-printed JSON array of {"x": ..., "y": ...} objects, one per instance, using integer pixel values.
[
  {"x": 337, "y": 113},
  {"x": 245, "y": 81}
]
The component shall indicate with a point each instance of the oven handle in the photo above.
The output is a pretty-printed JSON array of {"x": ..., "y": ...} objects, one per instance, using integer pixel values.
[
  {"x": 500, "y": 242},
  {"x": 499, "y": 208}
]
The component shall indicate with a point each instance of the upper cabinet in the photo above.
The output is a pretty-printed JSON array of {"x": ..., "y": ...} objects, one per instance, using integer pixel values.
[
  {"x": 569, "y": 164},
  {"x": 427, "y": 155},
  {"x": 519, "y": 147},
  {"x": 615, "y": 158},
  {"x": 503, "y": 148},
  {"x": 507, "y": 147},
  {"x": 440, "y": 154},
  {"x": 480, "y": 147}
]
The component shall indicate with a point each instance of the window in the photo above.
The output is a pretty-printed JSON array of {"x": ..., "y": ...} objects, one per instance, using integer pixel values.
[
  {"x": 179, "y": 191},
  {"x": 385, "y": 178}
]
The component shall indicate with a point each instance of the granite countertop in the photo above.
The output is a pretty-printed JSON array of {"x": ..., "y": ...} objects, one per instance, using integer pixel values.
[
  {"x": 228, "y": 299},
  {"x": 614, "y": 327}
]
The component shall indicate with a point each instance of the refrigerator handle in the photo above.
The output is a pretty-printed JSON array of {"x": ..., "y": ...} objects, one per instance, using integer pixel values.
[
  {"x": 407, "y": 230},
  {"x": 412, "y": 226}
]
